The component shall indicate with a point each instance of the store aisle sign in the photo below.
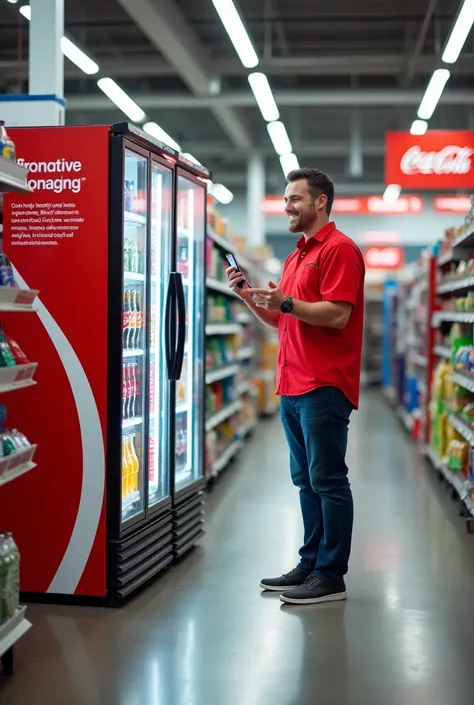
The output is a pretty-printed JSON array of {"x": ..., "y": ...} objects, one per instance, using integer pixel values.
[
  {"x": 383, "y": 257},
  {"x": 452, "y": 204},
  {"x": 440, "y": 159},
  {"x": 357, "y": 205}
]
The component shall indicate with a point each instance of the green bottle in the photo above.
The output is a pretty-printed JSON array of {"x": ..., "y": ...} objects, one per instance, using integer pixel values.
[
  {"x": 6, "y": 356},
  {"x": 14, "y": 577},
  {"x": 4, "y": 565}
]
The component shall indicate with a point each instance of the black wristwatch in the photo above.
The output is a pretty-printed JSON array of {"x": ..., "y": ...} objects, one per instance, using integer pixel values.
[{"x": 286, "y": 305}]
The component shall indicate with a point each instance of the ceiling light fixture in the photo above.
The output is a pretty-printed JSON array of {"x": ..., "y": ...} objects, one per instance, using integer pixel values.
[
  {"x": 123, "y": 101},
  {"x": 25, "y": 10},
  {"x": 392, "y": 193},
  {"x": 433, "y": 93},
  {"x": 459, "y": 33},
  {"x": 279, "y": 137},
  {"x": 234, "y": 27},
  {"x": 156, "y": 131},
  {"x": 418, "y": 127},
  {"x": 289, "y": 162},
  {"x": 264, "y": 96},
  {"x": 222, "y": 194}
]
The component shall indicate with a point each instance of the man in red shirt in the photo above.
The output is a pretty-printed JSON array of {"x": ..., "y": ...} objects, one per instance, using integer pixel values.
[{"x": 318, "y": 309}]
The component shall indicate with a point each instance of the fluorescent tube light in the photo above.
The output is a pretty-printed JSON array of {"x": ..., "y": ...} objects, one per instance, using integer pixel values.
[
  {"x": 289, "y": 162},
  {"x": 433, "y": 93},
  {"x": 391, "y": 193},
  {"x": 13, "y": 2},
  {"x": 155, "y": 130},
  {"x": 222, "y": 194},
  {"x": 418, "y": 127},
  {"x": 279, "y": 137},
  {"x": 77, "y": 56},
  {"x": 459, "y": 33},
  {"x": 121, "y": 99},
  {"x": 264, "y": 96},
  {"x": 25, "y": 10},
  {"x": 234, "y": 27}
]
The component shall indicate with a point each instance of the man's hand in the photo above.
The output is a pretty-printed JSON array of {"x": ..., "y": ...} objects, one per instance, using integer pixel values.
[
  {"x": 234, "y": 277},
  {"x": 270, "y": 298}
]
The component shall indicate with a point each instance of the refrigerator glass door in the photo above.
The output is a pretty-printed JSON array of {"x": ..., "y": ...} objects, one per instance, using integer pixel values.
[
  {"x": 160, "y": 254},
  {"x": 190, "y": 219},
  {"x": 134, "y": 332}
]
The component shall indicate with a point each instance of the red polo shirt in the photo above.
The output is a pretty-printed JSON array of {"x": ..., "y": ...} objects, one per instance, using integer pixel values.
[{"x": 327, "y": 267}]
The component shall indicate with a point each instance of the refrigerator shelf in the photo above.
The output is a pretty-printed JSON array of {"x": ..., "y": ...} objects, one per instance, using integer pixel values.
[
  {"x": 134, "y": 218},
  {"x": 131, "y": 423},
  {"x": 13, "y": 629},
  {"x": 221, "y": 373},
  {"x": 223, "y": 328},
  {"x": 245, "y": 353},
  {"x": 130, "y": 500},
  {"x": 223, "y": 414},
  {"x": 17, "y": 377},
  {"x": 134, "y": 352},
  {"x": 134, "y": 276},
  {"x": 14, "y": 299}
]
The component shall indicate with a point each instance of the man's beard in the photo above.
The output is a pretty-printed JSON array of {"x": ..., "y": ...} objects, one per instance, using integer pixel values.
[{"x": 302, "y": 221}]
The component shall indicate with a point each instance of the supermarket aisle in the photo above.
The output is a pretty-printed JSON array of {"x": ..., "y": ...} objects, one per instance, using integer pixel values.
[{"x": 205, "y": 635}]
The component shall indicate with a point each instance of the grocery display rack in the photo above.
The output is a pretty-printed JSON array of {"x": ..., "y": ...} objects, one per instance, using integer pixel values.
[{"x": 13, "y": 178}]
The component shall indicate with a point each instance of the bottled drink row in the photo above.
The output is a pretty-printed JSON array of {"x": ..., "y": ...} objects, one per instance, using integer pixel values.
[
  {"x": 131, "y": 389},
  {"x": 130, "y": 465},
  {"x": 181, "y": 442},
  {"x": 133, "y": 319},
  {"x": 9, "y": 577},
  {"x": 132, "y": 259}
]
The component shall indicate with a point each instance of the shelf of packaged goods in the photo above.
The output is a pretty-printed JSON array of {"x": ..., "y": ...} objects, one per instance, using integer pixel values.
[
  {"x": 442, "y": 351},
  {"x": 17, "y": 377},
  {"x": 445, "y": 258},
  {"x": 228, "y": 246},
  {"x": 245, "y": 353},
  {"x": 222, "y": 415},
  {"x": 221, "y": 373},
  {"x": 461, "y": 427},
  {"x": 13, "y": 629},
  {"x": 451, "y": 317},
  {"x": 420, "y": 360},
  {"x": 465, "y": 381},
  {"x": 134, "y": 218},
  {"x": 246, "y": 428},
  {"x": 225, "y": 458},
  {"x": 453, "y": 478},
  {"x": 466, "y": 238},
  {"x": 245, "y": 387},
  {"x": 456, "y": 285},
  {"x": 134, "y": 276},
  {"x": 14, "y": 299},
  {"x": 432, "y": 456},
  {"x": 17, "y": 464},
  {"x": 223, "y": 329},
  {"x": 13, "y": 177},
  {"x": 221, "y": 287},
  {"x": 131, "y": 423},
  {"x": 134, "y": 352}
]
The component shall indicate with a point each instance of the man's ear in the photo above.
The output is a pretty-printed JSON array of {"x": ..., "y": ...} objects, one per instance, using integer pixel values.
[{"x": 322, "y": 202}]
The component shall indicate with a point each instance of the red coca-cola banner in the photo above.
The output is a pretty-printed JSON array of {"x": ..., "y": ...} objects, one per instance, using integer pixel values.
[
  {"x": 357, "y": 205},
  {"x": 439, "y": 159}
]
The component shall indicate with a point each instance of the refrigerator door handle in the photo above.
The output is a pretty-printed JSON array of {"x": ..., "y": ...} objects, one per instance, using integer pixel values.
[
  {"x": 181, "y": 342},
  {"x": 170, "y": 326}
]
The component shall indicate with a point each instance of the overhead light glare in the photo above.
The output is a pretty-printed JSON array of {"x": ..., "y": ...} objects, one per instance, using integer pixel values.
[
  {"x": 77, "y": 56},
  {"x": 234, "y": 27},
  {"x": 123, "y": 101},
  {"x": 418, "y": 127},
  {"x": 156, "y": 131},
  {"x": 279, "y": 137},
  {"x": 25, "y": 10},
  {"x": 392, "y": 193},
  {"x": 289, "y": 162},
  {"x": 222, "y": 194},
  {"x": 264, "y": 96},
  {"x": 459, "y": 33},
  {"x": 433, "y": 93}
]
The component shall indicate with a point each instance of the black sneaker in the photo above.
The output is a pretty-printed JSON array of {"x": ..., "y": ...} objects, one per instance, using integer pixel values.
[
  {"x": 289, "y": 580},
  {"x": 315, "y": 589}
]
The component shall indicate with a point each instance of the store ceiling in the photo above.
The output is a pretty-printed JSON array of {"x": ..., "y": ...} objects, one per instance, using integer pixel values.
[{"x": 330, "y": 68}]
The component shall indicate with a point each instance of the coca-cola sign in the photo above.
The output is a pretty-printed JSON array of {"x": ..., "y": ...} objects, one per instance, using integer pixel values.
[{"x": 442, "y": 159}]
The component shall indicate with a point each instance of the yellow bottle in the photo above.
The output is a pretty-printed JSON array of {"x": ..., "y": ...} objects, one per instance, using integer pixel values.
[
  {"x": 134, "y": 465},
  {"x": 125, "y": 467}
]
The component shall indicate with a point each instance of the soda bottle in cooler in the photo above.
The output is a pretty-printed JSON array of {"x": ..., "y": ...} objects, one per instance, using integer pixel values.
[
  {"x": 139, "y": 320},
  {"x": 127, "y": 255},
  {"x": 152, "y": 386},
  {"x": 134, "y": 257},
  {"x": 152, "y": 475},
  {"x": 14, "y": 577},
  {"x": 126, "y": 319},
  {"x": 130, "y": 390},
  {"x": 133, "y": 321},
  {"x": 125, "y": 466},
  {"x": 124, "y": 389},
  {"x": 136, "y": 389},
  {"x": 7, "y": 358},
  {"x": 134, "y": 464}
]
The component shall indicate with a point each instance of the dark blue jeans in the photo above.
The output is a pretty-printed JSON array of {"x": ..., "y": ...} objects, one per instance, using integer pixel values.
[{"x": 316, "y": 426}]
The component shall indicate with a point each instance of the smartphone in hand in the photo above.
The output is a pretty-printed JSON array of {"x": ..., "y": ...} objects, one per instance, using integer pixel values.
[{"x": 233, "y": 263}]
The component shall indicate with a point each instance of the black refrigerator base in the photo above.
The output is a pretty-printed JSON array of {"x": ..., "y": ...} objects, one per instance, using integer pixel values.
[
  {"x": 134, "y": 560},
  {"x": 188, "y": 521}
]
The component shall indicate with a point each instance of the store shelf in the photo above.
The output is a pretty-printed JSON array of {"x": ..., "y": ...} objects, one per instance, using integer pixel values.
[
  {"x": 245, "y": 387},
  {"x": 17, "y": 377},
  {"x": 466, "y": 238},
  {"x": 451, "y": 316},
  {"x": 134, "y": 276},
  {"x": 464, "y": 380},
  {"x": 13, "y": 177},
  {"x": 11, "y": 475},
  {"x": 456, "y": 285},
  {"x": 227, "y": 246},
  {"x": 131, "y": 423},
  {"x": 245, "y": 353},
  {"x": 244, "y": 318},
  {"x": 419, "y": 360},
  {"x": 14, "y": 299},
  {"x": 130, "y": 499},
  {"x": 13, "y": 629},
  {"x": 227, "y": 455},
  {"x": 405, "y": 417},
  {"x": 221, "y": 287},
  {"x": 445, "y": 257},
  {"x": 223, "y": 414},
  {"x": 246, "y": 428},
  {"x": 223, "y": 329},
  {"x": 461, "y": 427},
  {"x": 134, "y": 218},
  {"x": 221, "y": 373},
  {"x": 442, "y": 351},
  {"x": 134, "y": 352},
  {"x": 453, "y": 478}
]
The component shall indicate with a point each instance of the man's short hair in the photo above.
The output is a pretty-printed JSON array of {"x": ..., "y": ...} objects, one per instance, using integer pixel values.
[{"x": 318, "y": 183}]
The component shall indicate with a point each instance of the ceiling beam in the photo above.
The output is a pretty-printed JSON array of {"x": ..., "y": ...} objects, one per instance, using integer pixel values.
[
  {"x": 330, "y": 148},
  {"x": 167, "y": 29},
  {"x": 419, "y": 44},
  {"x": 315, "y": 98}
]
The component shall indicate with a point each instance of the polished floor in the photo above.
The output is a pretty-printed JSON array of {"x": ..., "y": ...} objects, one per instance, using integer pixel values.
[{"x": 205, "y": 635}]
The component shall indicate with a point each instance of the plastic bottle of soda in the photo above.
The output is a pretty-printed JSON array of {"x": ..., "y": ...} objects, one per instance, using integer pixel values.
[
  {"x": 125, "y": 466},
  {"x": 136, "y": 389},
  {"x": 127, "y": 314},
  {"x": 4, "y": 565},
  {"x": 138, "y": 320},
  {"x": 7, "y": 358},
  {"x": 131, "y": 390},
  {"x": 14, "y": 574},
  {"x": 134, "y": 465},
  {"x": 127, "y": 256},
  {"x": 124, "y": 390},
  {"x": 134, "y": 256},
  {"x": 132, "y": 321}
]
